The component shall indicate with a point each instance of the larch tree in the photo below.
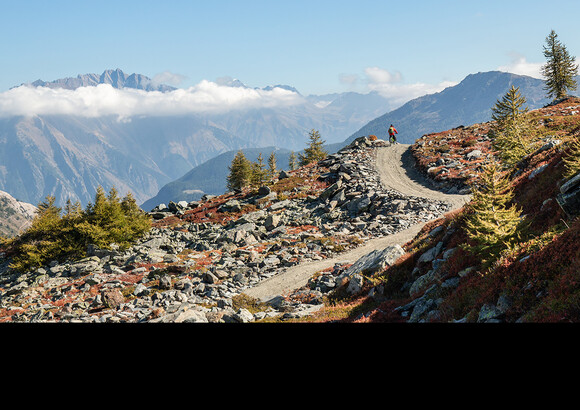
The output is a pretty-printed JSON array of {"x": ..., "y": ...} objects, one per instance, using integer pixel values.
[
  {"x": 272, "y": 170},
  {"x": 240, "y": 172},
  {"x": 315, "y": 151},
  {"x": 492, "y": 222},
  {"x": 292, "y": 161},
  {"x": 258, "y": 174},
  {"x": 512, "y": 132},
  {"x": 560, "y": 68}
]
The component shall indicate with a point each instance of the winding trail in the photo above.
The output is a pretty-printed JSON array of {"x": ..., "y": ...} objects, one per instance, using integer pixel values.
[{"x": 396, "y": 170}]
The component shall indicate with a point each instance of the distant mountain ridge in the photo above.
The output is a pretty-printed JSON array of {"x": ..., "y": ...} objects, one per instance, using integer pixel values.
[
  {"x": 210, "y": 177},
  {"x": 466, "y": 103},
  {"x": 69, "y": 156},
  {"x": 116, "y": 78}
]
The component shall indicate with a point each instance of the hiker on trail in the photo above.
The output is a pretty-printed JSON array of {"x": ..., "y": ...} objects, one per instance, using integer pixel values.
[{"x": 392, "y": 132}]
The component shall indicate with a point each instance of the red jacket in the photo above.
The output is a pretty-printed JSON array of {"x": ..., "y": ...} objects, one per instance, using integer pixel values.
[{"x": 392, "y": 131}]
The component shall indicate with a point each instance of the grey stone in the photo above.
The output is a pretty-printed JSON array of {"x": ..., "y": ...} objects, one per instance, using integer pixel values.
[
  {"x": 272, "y": 221},
  {"x": 421, "y": 308},
  {"x": 243, "y": 316},
  {"x": 141, "y": 290},
  {"x": 422, "y": 282},
  {"x": 489, "y": 314},
  {"x": 165, "y": 282},
  {"x": 570, "y": 184},
  {"x": 355, "y": 284},
  {"x": 476, "y": 153},
  {"x": 429, "y": 255},
  {"x": 375, "y": 261},
  {"x": 191, "y": 316}
]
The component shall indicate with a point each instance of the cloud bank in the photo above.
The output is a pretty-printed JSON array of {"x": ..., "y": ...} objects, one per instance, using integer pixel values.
[
  {"x": 103, "y": 100},
  {"x": 391, "y": 86},
  {"x": 520, "y": 65}
]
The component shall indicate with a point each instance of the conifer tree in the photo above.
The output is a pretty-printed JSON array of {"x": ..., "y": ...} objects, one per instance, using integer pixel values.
[
  {"x": 72, "y": 211},
  {"x": 258, "y": 174},
  {"x": 512, "y": 132},
  {"x": 47, "y": 215},
  {"x": 272, "y": 171},
  {"x": 314, "y": 152},
  {"x": 136, "y": 222},
  {"x": 511, "y": 107},
  {"x": 292, "y": 161},
  {"x": 240, "y": 172},
  {"x": 559, "y": 69},
  {"x": 492, "y": 223},
  {"x": 53, "y": 236}
]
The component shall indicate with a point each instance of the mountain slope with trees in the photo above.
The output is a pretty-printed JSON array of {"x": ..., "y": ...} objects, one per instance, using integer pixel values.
[{"x": 467, "y": 103}]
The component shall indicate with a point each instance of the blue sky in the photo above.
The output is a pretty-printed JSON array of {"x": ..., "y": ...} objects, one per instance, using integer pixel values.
[{"x": 317, "y": 46}]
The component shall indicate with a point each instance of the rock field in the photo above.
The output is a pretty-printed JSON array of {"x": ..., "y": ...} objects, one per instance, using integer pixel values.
[{"x": 199, "y": 257}]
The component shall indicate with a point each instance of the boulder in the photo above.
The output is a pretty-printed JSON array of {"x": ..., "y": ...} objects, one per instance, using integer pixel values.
[
  {"x": 374, "y": 261},
  {"x": 272, "y": 221},
  {"x": 569, "y": 197},
  {"x": 476, "y": 153},
  {"x": 112, "y": 298}
]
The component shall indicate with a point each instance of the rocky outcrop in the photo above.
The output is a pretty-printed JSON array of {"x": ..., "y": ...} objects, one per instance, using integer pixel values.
[
  {"x": 569, "y": 197},
  {"x": 15, "y": 215},
  {"x": 192, "y": 270}
]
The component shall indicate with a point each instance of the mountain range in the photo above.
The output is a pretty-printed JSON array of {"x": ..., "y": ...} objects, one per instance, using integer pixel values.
[
  {"x": 116, "y": 78},
  {"x": 466, "y": 103},
  {"x": 69, "y": 156}
]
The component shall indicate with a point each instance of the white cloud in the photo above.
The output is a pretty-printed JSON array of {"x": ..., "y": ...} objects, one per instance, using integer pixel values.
[
  {"x": 105, "y": 100},
  {"x": 376, "y": 75},
  {"x": 519, "y": 65},
  {"x": 391, "y": 86}
]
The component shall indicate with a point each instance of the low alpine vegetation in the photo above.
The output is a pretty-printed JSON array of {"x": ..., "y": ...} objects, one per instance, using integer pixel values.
[{"x": 58, "y": 234}]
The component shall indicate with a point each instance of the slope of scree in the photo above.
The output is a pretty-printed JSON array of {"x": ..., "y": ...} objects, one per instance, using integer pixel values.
[
  {"x": 200, "y": 258},
  {"x": 438, "y": 280}
]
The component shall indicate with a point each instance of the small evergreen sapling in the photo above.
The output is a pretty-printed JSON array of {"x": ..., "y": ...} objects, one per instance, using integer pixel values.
[
  {"x": 240, "y": 172},
  {"x": 492, "y": 223},
  {"x": 272, "y": 171},
  {"x": 512, "y": 132},
  {"x": 292, "y": 161},
  {"x": 572, "y": 160},
  {"x": 315, "y": 151}
]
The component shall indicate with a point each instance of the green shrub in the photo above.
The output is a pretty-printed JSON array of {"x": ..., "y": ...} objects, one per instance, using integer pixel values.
[{"x": 58, "y": 235}]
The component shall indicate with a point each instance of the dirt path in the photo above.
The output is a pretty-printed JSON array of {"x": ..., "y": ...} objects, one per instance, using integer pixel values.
[{"x": 396, "y": 171}]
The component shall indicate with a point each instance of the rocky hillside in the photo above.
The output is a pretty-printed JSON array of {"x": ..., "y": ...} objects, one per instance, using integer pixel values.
[
  {"x": 468, "y": 102},
  {"x": 438, "y": 280},
  {"x": 199, "y": 257},
  {"x": 15, "y": 215}
]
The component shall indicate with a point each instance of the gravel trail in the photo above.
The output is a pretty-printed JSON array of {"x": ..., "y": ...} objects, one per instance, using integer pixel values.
[{"x": 395, "y": 166}]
